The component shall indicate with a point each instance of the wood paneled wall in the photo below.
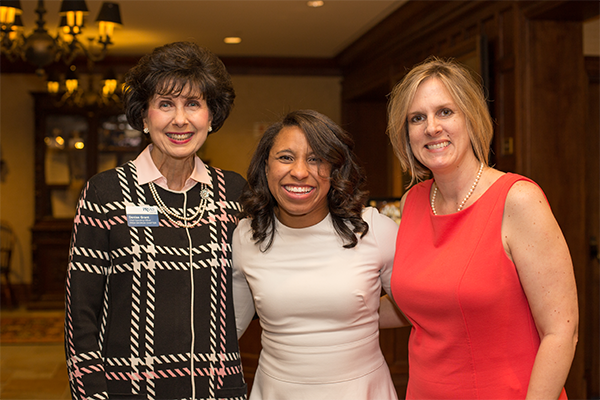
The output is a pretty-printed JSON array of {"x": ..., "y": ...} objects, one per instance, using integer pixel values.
[
  {"x": 552, "y": 142},
  {"x": 591, "y": 330},
  {"x": 447, "y": 29},
  {"x": 532, "y": 62}
]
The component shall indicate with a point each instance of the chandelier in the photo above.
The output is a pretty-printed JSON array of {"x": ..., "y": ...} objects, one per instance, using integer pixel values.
[
  {"x": 100, "y": 91},
  {"x": 40, "y": 48}
]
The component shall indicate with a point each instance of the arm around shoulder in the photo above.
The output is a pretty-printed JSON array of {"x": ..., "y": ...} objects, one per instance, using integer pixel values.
[{"x": 390, "y": 315}]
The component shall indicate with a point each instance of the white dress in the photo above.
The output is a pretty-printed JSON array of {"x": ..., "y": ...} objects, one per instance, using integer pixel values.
[{"x": 317, "y": 303}]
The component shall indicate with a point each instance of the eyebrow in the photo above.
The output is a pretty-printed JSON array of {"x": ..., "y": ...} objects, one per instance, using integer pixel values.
[
  {"x": 445, "y": 105},
  {"x": 288, "y": 150},
  {"x": 199, "y": 96}
]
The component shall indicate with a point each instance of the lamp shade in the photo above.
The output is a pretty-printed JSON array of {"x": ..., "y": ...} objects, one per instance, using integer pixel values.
[
  {"x": 64, "y": 22},
  {"x": 12, "y": 4},
  {"x": 9, "y": 10},
  {"x": 110, "y": 83},
  {"x": 73, "y": 5},
  {"x": 53, "y": 76},
  {"x": 109, "y": 75},
  {"x": 109, "y": 12},
  {"x": 53, "y": 81},
  {"x": 71, "y": 80},
  {"x": 18, "y": 21}
]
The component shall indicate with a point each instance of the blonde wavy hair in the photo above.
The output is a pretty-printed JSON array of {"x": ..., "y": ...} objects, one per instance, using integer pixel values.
[{"x": 466, "y": 92}]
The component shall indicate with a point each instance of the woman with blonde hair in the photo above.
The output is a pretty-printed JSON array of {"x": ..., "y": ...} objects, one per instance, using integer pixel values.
[{"x": 482, "y": 269}]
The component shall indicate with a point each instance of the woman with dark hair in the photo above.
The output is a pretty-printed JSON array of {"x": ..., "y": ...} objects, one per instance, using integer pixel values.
[
  {"x": 311, "y": 261},
  {"x": 149, "y": 312}
]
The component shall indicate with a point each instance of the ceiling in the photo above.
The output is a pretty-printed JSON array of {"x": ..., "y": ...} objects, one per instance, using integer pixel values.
[
  {"x": 276, "y": 28},
  {"x": 271, "y": 28}
]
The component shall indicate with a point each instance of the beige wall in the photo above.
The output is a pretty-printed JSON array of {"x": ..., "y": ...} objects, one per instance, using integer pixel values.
[
  {"x": 260, "y": 100},
  {"x": 16, "y": 141}
]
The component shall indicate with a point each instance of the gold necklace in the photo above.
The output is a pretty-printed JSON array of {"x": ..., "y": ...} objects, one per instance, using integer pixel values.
[
  {"x": 204, "y": 194},
  {"x": 462, "y": 204}
]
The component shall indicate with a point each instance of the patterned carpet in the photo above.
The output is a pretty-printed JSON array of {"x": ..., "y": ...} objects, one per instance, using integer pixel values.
[{"x": 31, "y": 328}]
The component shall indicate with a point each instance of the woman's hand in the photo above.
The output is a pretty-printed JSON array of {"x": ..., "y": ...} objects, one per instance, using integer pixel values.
[{"x": 390, "y": 315}]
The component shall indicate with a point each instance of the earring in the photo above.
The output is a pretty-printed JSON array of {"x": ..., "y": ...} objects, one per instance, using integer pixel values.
[
  {"x": 210, "y": 129},
  {"x": 146, "y": 131}
]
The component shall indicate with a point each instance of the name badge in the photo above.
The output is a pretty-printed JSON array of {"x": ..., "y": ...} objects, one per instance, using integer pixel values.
[{"x": 142, "y": 216}]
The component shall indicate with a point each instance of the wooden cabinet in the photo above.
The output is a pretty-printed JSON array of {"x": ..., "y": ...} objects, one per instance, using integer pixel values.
[
  {"x": 71, "y": 145},
  {"x": 50, "y": 248}
]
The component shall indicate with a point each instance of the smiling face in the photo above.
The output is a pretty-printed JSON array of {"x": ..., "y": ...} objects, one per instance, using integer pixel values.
[
  {"x": 437, "y": 128},
  {"x": 178, "y": 125},
  {"x": 298, "y": 180}
]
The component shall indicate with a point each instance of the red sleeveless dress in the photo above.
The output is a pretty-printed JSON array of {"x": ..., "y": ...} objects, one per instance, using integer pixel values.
[{"x": 473, "y": 335}]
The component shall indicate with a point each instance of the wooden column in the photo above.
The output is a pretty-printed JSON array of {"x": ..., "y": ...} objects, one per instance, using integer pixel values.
[
  {"x": 372, "y": 146},
  {"x": 551, "y": 141},
  {"x": 591, "y": 332}
]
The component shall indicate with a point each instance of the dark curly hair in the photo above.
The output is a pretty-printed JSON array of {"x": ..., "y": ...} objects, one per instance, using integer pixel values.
[
  {"x": 175, "y": 67},
  {"x": 346, "y": 196}
]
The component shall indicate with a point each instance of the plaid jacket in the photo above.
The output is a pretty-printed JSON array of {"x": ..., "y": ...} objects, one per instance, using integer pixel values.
[{"x": 147, "y": 305}]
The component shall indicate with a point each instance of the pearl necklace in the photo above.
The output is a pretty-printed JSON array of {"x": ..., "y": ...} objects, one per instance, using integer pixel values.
[
  {"x": 462, "y": 204},
  {"x": 204, "y": 194}
]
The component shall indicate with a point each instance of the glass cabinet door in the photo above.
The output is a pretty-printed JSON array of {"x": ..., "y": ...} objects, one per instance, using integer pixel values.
[
  {"x": 72, "y": 144},
  {"x": 65, "y": 166},
  {"x": 117, "y": 142},
  {"x": 70, "y": 148}
]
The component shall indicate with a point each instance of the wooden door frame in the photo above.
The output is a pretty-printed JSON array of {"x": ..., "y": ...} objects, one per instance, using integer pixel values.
[{"x": 591, "y": 331}]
